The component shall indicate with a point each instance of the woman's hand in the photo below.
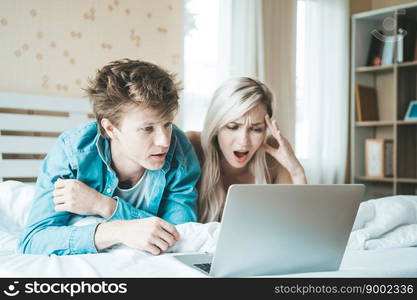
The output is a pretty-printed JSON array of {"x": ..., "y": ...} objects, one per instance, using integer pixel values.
[
  {"x": 284, "y": 154},
  {"x": 76, "y": 197}
]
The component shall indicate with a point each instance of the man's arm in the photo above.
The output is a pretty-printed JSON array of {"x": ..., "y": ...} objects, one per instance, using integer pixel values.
[
  {"x": 74, "y": 196},
  {"x": 151, "y": 234},
  {"x": 48, "y": 231}
]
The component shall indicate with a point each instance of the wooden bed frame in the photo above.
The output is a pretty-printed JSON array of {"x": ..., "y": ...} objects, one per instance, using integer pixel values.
[{"x": 29, "y": 125}]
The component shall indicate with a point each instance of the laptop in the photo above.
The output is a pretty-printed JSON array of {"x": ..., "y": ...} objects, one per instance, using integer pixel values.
[{"x": 276, "y": 229}]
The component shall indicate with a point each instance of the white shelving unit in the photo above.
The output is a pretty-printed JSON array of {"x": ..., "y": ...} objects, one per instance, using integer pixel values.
[{"x": 396, "y": 86}]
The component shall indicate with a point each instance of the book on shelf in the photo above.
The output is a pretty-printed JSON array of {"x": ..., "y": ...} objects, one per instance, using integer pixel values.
[
  {"x": 375, "y": 49},
  {"x": 408, "y": 27},
  {"x": 388, "y": 158},
  {"x": 415, "y": 50},
  {"x": 366, "y": 103}
]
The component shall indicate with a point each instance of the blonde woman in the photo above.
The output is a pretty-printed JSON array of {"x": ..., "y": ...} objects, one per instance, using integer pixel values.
[{"x": 233, "y": 144}]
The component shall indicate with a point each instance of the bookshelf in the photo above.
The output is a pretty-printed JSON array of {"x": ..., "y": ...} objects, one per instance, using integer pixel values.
[{"x": 396, "y": 85}]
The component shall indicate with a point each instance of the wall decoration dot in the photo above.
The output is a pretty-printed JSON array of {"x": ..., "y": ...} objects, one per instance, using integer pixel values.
[
  {"x": 62, "y": 87},
  {"x": 52, "y": 44},
  {"x": 39, "y": 56},
  {"x": 76, "y": 34},
  {"x": 3, "y": 22},
  {"x": 116, "y": 2},
  {"x": 162, "y": 30},
  {"x": 90, "y": 15},
  {"x": 25, "y": 47},
  {"x": 134, "y": 38},
  {"x": 110, "y": 7},
  {"x": 39, "y": 35},
  {"x": 106, "y": 46},
  {"x": 72, "y": 60},
  {"x": 66, "y": 53},
  {"x": 127, "y": 11},
  {"x": 45, "y": 82},
  {"x": 33, "y": 12},
  {"x": 78, "y": 82},
  {"x": 149, "y": 15},
  {"x": 17, "y": 53},
  {"x": 170, "y": 7}
]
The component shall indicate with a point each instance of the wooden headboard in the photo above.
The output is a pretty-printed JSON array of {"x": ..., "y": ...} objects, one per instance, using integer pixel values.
[{"x": 29, "y": 125}]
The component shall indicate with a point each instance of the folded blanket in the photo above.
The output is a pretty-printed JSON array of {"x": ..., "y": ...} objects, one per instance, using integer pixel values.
[
  {"x": 389, "y": 222},
  {"x": 197, "y": 237}
]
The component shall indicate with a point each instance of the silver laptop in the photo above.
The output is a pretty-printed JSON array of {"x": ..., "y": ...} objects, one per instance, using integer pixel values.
[{"x": 276, "y": 229}]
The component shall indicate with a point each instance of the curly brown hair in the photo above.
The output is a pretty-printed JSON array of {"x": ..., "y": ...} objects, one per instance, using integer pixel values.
[{"x": 125, "y": 83}]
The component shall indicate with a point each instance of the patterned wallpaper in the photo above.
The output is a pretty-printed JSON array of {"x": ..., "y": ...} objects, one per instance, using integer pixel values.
[{"x": 52, "y": 46}]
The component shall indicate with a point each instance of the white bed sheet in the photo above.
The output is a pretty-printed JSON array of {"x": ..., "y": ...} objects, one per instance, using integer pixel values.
[
  {"x": 382, "y": 244},
  {"x": 400, "y": 262}
]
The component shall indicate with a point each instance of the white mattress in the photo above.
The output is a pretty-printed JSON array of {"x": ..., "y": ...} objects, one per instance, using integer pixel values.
[{"x": 400, "y": 262}]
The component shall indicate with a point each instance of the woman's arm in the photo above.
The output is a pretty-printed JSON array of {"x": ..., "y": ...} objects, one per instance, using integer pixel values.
[{"x": 289, "y": 169}]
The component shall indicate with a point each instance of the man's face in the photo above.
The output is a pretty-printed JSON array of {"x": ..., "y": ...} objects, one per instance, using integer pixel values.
[{"x": 143, "y": 137}]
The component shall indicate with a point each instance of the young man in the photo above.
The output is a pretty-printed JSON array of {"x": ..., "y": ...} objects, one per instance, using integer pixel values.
[{"x": 131, "y": 166}]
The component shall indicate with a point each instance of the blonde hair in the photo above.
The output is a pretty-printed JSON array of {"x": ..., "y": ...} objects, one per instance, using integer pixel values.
[{"x": 231, "y": 101}]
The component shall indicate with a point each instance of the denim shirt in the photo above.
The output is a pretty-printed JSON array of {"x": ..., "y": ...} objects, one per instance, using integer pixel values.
[{"x": 82, "y": 154}]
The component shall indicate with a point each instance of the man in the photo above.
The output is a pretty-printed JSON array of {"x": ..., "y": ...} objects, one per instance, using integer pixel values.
[{"x": 131, "y": 166}]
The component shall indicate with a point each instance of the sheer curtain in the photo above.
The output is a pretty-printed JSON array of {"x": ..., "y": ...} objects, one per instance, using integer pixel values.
[
  {"x": 241, "y": 41},
  {"x": 322, "y": 89},
  {"x": 222, "y": 39}
]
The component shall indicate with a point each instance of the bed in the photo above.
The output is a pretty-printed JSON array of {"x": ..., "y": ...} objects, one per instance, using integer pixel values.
[{"x": 382, "y": 243}]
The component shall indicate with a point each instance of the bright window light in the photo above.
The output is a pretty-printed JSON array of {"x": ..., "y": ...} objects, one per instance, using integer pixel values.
[
  {"x": 200, "y": 60},
  {"x": 301, "y": 125}
]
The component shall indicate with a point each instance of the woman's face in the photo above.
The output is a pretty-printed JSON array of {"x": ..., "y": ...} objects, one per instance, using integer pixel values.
[{"x": 240, "y": 139}]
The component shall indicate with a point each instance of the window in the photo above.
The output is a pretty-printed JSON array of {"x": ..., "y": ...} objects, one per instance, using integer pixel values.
[
  {"x": 301, "y": 124},
  {"x": 200, "y": 61}
]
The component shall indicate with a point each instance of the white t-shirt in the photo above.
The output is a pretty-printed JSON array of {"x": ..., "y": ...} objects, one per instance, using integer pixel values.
[{"x": 136, "y": 194}]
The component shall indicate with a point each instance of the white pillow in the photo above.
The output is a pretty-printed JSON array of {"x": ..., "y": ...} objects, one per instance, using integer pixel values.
[{"x": 15, "y": 202}]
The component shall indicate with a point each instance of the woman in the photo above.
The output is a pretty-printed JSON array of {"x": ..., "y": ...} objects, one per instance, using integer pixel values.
[{"x": 233, "y": 144}]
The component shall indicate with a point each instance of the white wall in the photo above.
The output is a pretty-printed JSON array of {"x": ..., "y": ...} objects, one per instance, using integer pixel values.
[{"x": 51, "y": 47}]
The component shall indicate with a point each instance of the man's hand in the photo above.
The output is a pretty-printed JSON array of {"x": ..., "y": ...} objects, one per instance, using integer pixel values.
[
  {"x": 76, "y": 197},
  {"x": 150, "y": 234}
]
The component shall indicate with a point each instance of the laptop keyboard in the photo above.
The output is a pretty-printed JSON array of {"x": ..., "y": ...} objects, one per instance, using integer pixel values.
[{"x": 204, "y": 267}]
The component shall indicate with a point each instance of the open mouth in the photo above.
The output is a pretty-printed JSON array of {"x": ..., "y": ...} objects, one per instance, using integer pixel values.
[{"x": 241, "y": 155}]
